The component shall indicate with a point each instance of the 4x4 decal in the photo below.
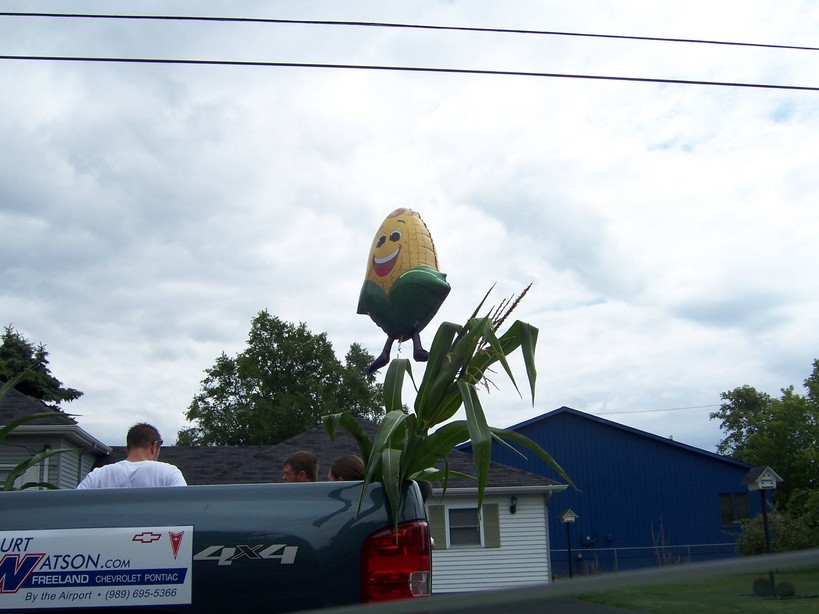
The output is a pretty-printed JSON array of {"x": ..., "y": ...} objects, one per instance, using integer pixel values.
[{"x": 227, "y": 554}]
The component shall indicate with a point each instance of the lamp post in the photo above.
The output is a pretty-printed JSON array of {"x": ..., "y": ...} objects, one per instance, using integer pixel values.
[
  {"x": 764, "y": 479},
  {"x": 568, "y": 517}
]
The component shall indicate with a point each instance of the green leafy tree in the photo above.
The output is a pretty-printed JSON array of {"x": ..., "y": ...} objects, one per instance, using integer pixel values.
[
  {"x": 782, "y": 433},
  {"x": 788, "y": 532},
  {"x": 19, "y": 355},
  {"x": 410, "y": 444},
  {"x": 282, "y": 384}
]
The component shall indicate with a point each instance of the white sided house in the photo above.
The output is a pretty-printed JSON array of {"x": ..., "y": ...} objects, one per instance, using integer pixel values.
[
  {"x": 56, "y": 431},
  {"x": 506, "y": 546}
]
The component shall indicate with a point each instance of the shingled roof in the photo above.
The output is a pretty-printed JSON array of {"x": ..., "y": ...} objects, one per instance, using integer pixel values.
[
  {"x": 16, "y": 405},
  {"x": 261, "y": 464}
]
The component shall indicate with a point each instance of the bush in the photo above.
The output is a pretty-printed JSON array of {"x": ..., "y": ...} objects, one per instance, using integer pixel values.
[
  {"x": 787, "y": 532},
  {"x": 785, "y": 589}
]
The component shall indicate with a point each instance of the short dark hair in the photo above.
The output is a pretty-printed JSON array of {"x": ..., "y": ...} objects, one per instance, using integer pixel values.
[
  {"x": 142, "y": 435},
  {"x": 303, "y": 461},
  {"x": 348, "y": 467}
]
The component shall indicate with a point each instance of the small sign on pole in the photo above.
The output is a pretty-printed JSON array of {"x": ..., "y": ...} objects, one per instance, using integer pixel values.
[{"x": 568, "y": 517}]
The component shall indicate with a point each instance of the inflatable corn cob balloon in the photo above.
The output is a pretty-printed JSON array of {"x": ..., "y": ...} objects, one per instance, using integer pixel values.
[{"x": 403, "y": 287}]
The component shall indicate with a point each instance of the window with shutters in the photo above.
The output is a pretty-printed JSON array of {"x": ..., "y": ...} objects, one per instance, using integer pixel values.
[{"x": 461, "y": 527}]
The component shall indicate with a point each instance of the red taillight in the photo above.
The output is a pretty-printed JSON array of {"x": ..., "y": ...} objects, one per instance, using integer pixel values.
[{"x": 396, "y": 565}]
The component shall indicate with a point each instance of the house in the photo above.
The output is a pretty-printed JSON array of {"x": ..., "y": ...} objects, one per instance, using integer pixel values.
[
  {"x": 508, "y": 545},
  {"x": 49, "y": 433},
  {"x": 641, "y": 500}
]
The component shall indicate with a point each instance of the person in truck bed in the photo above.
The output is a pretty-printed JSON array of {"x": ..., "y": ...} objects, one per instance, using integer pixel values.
[
  {"x": 141, "y": 468},
  {"x": 347, "y": 467},
  {"x": 300, "y": 467}
]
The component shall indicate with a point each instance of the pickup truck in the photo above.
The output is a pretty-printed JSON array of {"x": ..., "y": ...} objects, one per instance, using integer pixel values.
[{"x": 228, "y": 548}]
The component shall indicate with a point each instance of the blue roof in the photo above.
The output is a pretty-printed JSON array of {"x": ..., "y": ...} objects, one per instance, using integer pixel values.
[{"x": 574, "y": 412}]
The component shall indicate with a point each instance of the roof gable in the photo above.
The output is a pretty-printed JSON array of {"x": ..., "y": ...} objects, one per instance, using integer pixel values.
[
  {"x": 17, "y": 405},
  {"x": 583, "y": 416}
]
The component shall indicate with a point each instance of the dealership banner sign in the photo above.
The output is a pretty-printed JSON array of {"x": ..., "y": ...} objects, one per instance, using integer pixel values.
[{"x": 137, "y": 566}]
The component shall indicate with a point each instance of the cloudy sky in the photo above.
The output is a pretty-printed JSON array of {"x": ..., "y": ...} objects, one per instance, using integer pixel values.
[{"x": 149, "y": 211}]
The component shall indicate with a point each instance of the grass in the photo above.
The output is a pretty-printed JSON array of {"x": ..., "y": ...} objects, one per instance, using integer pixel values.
[{"x": 722, "y": 594}]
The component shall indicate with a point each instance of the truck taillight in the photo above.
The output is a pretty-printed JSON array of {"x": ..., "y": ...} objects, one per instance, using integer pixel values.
[{"x": 396, "y": 564}]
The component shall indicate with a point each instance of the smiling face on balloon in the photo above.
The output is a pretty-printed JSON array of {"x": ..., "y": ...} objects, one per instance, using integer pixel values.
[{"x": 402, "y": 243}]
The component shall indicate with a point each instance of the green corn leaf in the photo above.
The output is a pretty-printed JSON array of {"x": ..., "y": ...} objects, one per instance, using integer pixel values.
[
  {"x": 391, "y": 480},
  {"x": 479, "y": 433},
  {"x": 30, "y": 462},
  {"x": 394, "y": 383},
  {"x": 528, "y": 341},
  {"x": 351, "y": 425},
  {"x": 441, "y": 442},
  {"x": 441, "y": 345},
  {"x": 439, "y": 360},
  {"x": 390, "y": 426},
  {"x": 497, "y": 348},
  {"x": 458, "y": 361},
  {"x": 23, "y": 419},
  {"x": 431, "y": 474},
  {"x": 506, "y": 444},
  {"x": 516, "y": 437}
]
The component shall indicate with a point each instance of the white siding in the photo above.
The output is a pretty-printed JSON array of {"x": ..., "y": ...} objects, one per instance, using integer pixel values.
[
  {"x": 63, "y": 470},
  {"x": 523, "y": 557}
]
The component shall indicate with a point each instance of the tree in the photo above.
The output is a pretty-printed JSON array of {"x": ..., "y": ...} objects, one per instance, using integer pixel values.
[
  {"x": 782, "y": 433},
  {"x": 282, "y": 384},
  {"x": 18, "y": 355}
]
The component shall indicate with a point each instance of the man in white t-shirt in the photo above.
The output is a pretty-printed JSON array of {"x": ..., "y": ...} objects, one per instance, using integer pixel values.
[{"x": 141, "y": 468}]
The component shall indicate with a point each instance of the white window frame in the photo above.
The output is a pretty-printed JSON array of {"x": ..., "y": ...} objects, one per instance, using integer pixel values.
[
  {"x": 32, "y": 474},
  {"x": 478, "y": 520}
]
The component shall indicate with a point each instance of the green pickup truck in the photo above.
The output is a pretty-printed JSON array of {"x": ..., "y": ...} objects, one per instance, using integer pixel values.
[{"x": 233, "y": 548}]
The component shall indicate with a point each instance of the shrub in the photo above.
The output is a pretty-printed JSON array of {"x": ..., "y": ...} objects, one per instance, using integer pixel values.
[
  {"x": 785, "y": 589},
  {"x": 787, "y": 532}
]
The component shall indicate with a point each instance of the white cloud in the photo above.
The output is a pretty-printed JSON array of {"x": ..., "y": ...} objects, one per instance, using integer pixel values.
[{"x": 149, "y": 212}]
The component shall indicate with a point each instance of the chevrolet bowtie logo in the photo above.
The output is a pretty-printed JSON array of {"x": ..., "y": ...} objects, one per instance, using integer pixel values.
[{"x": 146, "y": 537}]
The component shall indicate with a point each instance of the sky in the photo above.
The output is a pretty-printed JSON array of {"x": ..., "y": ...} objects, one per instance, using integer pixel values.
[{"x": 149, "y": 211}]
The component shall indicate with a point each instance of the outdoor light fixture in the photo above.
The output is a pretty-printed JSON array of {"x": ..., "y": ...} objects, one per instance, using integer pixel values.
[{"x": 513, "y": 504}]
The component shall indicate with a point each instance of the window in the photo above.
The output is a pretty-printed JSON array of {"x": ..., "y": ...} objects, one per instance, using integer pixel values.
[
  {"x": 32, "y": 474},
  {"x": 464, "y": 527},
  {"x": 457, "y": 527},
  {"x": 733, "y": 507}
]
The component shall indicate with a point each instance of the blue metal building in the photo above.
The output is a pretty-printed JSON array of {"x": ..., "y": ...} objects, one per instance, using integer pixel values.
[{"x": 641, "y": 500}]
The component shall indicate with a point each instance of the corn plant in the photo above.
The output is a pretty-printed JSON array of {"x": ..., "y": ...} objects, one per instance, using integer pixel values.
[
  {"x": 21, "y": 468},
  {"x": 407, "y": 444}
]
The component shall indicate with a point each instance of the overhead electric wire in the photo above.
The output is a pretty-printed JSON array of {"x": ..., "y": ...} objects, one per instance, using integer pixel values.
[
  {"x": 418, "y": 69},
  {"x": 399, "y": 68},
  {"x": 648, "y": 411},
  {"x": 376, "y": 24}
]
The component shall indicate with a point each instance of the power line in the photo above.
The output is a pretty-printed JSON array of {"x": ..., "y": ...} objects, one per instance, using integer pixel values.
[
  {"x": 418, "y": 69},
  {"x": 375, "y": 24},
  {"x": 649, "y": 411}
]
